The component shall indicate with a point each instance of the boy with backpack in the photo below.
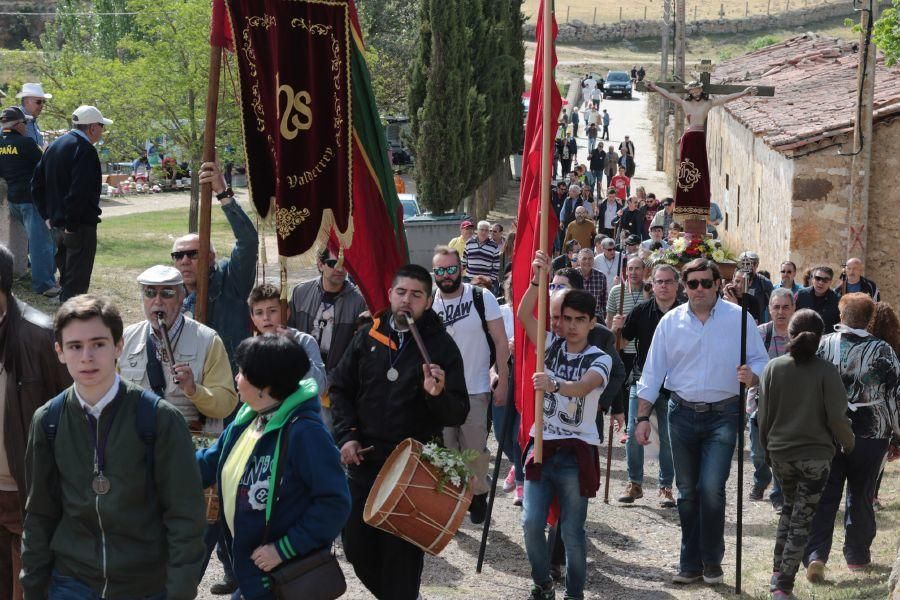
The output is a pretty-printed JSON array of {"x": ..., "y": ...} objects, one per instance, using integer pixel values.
[
  {"x": 575, "y": 376},
  {"x": 115, "y": 505}
]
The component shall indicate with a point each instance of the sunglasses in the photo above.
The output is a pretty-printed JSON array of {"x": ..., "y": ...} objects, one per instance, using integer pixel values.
[
  {"x": 38, "y": 101},
  {"x": 695, "y": 283},
  {"x": 191, "y": 254},
  {"x": 165, "y": 293},
  {"x": 330, "y": 262},
  {"x": 820, "y": 278},
  {"x": 442, "y": 271}
]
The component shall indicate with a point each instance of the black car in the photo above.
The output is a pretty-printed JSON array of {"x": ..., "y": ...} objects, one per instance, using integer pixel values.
[{"x": 618, "y": 83}]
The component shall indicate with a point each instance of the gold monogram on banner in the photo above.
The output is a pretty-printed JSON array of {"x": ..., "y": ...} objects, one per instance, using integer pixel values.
[{"x": 688, "y": 174}]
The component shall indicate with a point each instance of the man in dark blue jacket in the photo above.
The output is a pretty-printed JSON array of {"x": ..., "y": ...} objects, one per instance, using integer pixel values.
[
  {"x": 19, "y": 155},
  {"x": 66, "y": 191}
]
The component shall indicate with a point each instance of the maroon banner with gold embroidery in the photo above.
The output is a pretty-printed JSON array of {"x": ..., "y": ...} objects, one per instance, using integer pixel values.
[{"x": 294, "y": 65}]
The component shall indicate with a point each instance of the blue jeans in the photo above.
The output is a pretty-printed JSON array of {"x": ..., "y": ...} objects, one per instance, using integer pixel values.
[
  {"x": 702, "y": 448},
  {"x": 762, "y": 473},
  {"x": 634, "y": 452},
  {"x": 41, "y": 249},
  {"x": 559, "y": 478},
  {"x": 63, "y": 587},
  {"x": 509, "y": 440}
]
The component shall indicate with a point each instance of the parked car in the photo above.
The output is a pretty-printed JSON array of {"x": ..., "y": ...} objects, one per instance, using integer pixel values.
[
  {"x": 410, "y": 206},
  {"x": 618, "y": 83}
]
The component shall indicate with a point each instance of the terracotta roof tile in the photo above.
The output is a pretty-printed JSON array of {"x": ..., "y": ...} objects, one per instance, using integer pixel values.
[{"x": 815, "y": 89}]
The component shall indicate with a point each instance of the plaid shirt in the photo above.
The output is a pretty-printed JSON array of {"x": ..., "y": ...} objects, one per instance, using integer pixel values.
[{"x": 595, "y": 285}]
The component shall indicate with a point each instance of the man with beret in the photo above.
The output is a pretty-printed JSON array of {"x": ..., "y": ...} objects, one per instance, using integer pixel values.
[
  {"x": 196, "y": 377},
  {"x": 19, "y": 155},
  {"x": 33, "y": 100},
  {"x": 66, "y": 191}
]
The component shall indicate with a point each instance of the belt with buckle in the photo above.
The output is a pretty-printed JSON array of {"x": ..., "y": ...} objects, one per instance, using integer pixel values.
[{"x": 702, "y": 407}]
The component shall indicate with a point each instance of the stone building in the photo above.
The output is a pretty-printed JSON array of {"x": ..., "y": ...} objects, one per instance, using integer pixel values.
[{"x": 775, "y": 166}]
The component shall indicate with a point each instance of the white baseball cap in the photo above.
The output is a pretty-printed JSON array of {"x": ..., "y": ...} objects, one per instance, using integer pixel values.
[
  {"x": 33, "y": 90},
  {"x": 86, "y": 115}
]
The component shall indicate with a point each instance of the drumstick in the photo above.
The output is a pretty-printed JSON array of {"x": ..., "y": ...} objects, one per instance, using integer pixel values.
[
  {"x": 364, "y": 451},
  {"x": 404, "y": 319}
]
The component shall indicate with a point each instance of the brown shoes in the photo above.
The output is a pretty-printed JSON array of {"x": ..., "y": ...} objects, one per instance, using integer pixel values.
[
  {"x": 666, "y": 500},
  {"x": 633, "y": 491}
]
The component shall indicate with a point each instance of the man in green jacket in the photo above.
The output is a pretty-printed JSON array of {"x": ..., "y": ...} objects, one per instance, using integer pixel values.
[{"x": 115, "y": 508}]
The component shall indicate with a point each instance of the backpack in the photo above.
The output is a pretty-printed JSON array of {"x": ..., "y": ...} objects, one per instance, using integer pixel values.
[
  {"x": 770, "y": 330},
  {"x": 478, "y": 300},
  {"x": 145, "y": 420}
]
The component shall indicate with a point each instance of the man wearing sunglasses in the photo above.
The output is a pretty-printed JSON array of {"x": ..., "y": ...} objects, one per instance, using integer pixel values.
[
  {"x": 821, "y": 298},
  {"x": 65, "y": 189},
  {"x": 197, "y": 380},
  {"x": 695, "y": 354},
  {"x": 230, "y": 279},
  {"x": 33, "y": 101}
]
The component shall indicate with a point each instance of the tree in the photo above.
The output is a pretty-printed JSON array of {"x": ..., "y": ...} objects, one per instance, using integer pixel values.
[
  {"x": 389, "y": 29},
  {"x": 149, "y": 75},
  {"x": 438, "y": 105},
  {"x": 886, "y": 33}
]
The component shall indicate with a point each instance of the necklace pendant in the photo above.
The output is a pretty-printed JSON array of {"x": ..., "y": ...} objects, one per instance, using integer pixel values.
[
  {"x": 393, "y": 374},
  {"x": 100, "y": 484}
]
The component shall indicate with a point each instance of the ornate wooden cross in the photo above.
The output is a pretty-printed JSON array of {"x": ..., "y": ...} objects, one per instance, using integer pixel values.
[{"x": 706, "y": 67}]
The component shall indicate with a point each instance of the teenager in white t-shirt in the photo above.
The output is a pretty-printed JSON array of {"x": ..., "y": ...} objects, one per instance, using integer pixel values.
[
  {"x": 575, "y": 375},
  {"x": 454, "y": 303}
]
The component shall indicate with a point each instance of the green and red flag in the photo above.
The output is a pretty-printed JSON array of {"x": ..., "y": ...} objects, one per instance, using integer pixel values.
[{"x": 316, "y": 151}]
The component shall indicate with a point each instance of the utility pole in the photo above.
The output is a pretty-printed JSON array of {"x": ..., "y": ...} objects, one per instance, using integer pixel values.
[
  {"x": 666, "y": 31},
  {"x": 680, "y": 19},
  {"x": 861, "y": 161}
]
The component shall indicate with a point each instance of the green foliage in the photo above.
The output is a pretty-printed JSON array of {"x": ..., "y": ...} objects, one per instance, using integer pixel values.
[
  {"x": 389, "y": 30},
  {"x": 886, "y": 33},
  {"x": 465, "y": 88},
  {"x": 761, "y": 42}
]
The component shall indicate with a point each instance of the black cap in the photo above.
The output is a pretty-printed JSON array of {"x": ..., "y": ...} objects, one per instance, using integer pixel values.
[
  {"x": 633, "y": 240},
  {"x": 13, "y": 114}
]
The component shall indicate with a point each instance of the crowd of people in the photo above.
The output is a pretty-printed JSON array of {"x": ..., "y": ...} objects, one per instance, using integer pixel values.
[{"x": 303, "y": 406}]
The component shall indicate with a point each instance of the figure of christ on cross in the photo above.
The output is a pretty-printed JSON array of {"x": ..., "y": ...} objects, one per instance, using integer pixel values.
[{"x": 692, "y": 195}]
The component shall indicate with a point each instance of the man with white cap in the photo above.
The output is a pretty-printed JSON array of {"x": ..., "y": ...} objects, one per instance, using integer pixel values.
[
  {"x": 66, "y": 191},
  {"x": 33, "y": 99},
  {"x": 190, "y": 370},
  {"x": 19, "y": 155}
]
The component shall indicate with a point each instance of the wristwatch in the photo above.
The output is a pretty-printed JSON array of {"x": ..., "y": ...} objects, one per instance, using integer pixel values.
[
  {"x": 226, "y": 193},
  {"x": 642, "y": 419},
  {"x": 555, "y": 385}
]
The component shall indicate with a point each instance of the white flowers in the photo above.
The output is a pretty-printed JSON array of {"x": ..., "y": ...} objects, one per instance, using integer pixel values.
[
  {"x": 679, "y": 245},
  {"x": 453, "y": 464},
  {"x": 718, "y": 255}
]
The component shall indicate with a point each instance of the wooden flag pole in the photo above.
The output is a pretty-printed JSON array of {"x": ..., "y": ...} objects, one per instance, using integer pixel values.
[
  {"x": 544, "y": 191},
  {"x": 209, "y": 155}
]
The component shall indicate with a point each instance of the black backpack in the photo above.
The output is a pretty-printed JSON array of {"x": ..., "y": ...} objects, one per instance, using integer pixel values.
[
  {"x": 145, "y": 420},
  {"x": 478, "y": 299}
]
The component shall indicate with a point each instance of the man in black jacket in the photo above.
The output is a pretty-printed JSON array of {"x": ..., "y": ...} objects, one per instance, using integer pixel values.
[
  {"x": 19, "y": 155},
  {"x": 381, "y": 394},
  {"x": 820, "y": 297},
  {"x": 66, "y": 191}
]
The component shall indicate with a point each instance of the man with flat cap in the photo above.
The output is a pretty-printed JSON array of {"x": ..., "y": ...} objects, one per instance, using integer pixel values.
[
  {"x": 33, "y": 100},
  {"x": 191, "y": 369},
  {"x": 19, "y": 155},
  {"x": 66, "y": 191}
]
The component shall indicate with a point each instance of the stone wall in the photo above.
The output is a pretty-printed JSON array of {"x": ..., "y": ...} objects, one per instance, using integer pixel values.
[
  {"x": 576, "y": 31},
  {"x": 882, "y": 258},
  {"x": 753, "y": 186}
]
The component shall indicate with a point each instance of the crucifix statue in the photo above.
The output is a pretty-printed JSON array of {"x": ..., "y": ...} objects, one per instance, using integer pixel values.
[{"x": 692, "y": 180}]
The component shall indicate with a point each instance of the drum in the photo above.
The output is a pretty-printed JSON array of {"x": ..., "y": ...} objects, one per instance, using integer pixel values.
[{"x": 404, "y": 500}]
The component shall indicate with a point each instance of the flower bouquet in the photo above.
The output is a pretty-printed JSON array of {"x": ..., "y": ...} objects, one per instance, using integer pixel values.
[
  {"x": 684, "y": 250},
  {"x": 452, "y": 465}
]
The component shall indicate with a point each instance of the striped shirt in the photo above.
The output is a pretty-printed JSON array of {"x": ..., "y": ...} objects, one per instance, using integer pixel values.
[
  {"x": 630, "y": 298},
  {"x": 482, "y": 259}
]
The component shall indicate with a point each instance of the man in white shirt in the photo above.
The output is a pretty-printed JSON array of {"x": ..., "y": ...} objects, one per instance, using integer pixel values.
[
  {"x": 472, "y": 317},
  {"x": 695, "y": 353},
  {"x": 607, "y": 260}
]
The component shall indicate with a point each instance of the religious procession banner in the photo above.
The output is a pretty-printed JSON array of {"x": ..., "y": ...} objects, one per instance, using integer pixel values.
[{"x": 316, "y": 150}]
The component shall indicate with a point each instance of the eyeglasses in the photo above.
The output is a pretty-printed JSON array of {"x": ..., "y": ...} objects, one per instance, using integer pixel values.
[
  {"x": 695, "y": 283},
  {"x": 191, "y": 254},
  {"x": 164, "y": 293},
  {"x": 555, "y": 287},
  {"x": 820, "y": 278},
  {"x": 664, "y": 281},
  {"x": 443, "y": 271}
]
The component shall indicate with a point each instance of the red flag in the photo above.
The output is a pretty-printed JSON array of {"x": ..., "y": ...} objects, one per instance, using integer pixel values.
[
  {"x": 528, "y": 230},
  {"x": 220, "y": 29}
]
